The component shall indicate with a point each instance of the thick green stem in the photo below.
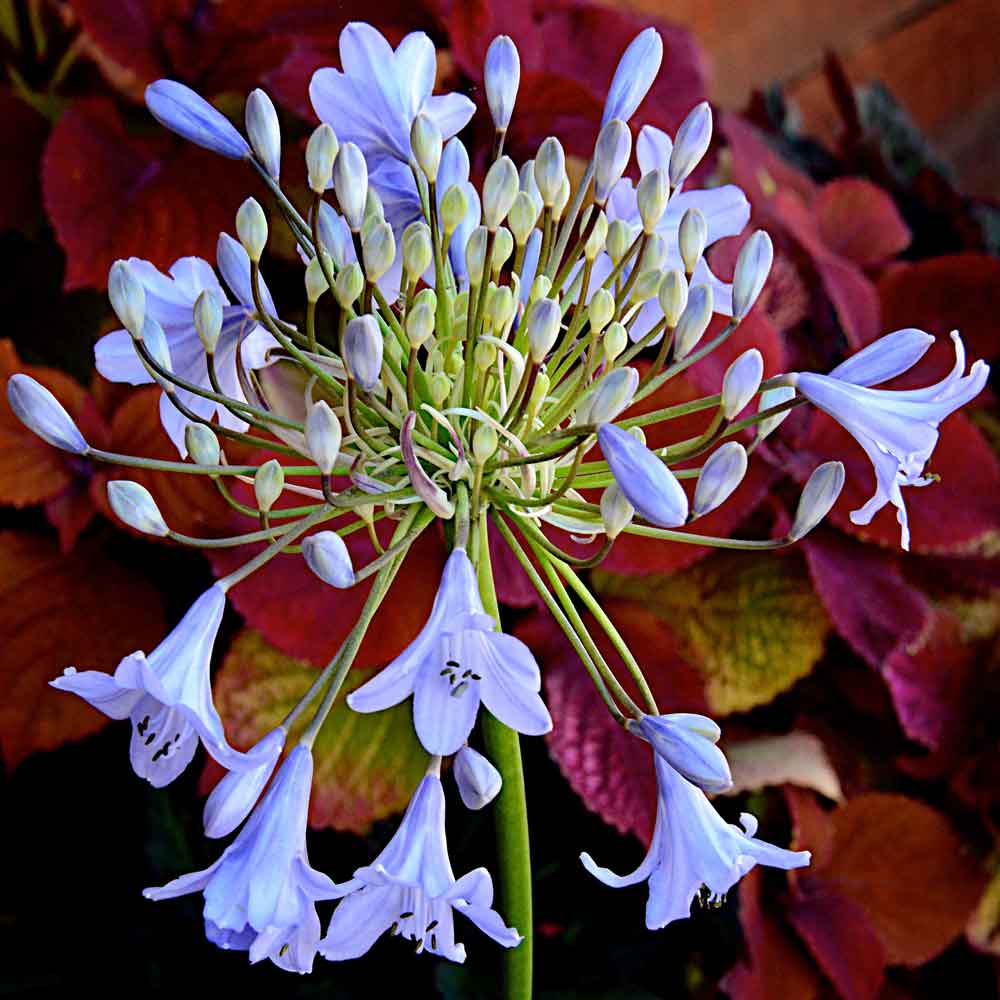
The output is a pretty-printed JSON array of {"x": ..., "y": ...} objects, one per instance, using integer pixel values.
[{"x": 511, "y": 814}]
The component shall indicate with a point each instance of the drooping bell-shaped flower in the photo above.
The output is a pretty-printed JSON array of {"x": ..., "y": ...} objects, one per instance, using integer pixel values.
[
  {"x": 167, "y": 695},
  {"x": 457, "y": 661},
  {"x": 649, "y": 486},
  {"x": 687, "y": 742},
  {"x": 411, "y": 889},
  {"x": 169, "y": 301},
  {"x": 260, "y": 896},
  {"x": 693, "y": 846},
  {"x": 897, "y": 428},
  {"x": 181, "y": 110}
]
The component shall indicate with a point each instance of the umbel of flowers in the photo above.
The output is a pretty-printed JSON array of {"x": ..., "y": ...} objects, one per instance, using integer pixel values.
[{"x": 466, "y": 357}]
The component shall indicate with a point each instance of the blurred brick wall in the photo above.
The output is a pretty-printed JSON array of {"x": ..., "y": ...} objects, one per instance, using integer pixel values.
[{"x": 941, "y": 58}]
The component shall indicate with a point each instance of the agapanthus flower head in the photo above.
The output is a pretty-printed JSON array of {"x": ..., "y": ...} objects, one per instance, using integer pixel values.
[
  {"x": 260, "y": 896},
  {"x": 410, "y": 888}
]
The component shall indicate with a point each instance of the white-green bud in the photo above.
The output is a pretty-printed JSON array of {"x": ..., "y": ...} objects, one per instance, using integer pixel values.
[
  {"x": 323, "y": 436},
  {"x": 454, "y": 363},
  {"x": 651, "y": 194},
  {"x": 526, "y": 182},
  {"x": 692, "y": 237},
  {"x": 374, "y": 209},
  {"x": 616, "y": 511},
  {"x": 420, "y": 321},
  {"x": 522, "y": 217},
  {"x": 610, "y": 397},
  {"x": 134, "y": 505},
  {"x": 264, "y": 131},
  {"x": 418, "y": 253},
  {"x": 773, "y": 397},
  {"x": 501, "y": 307},
  {"x": 611, "y": 156},
  {"x": 426, "y": 143},
  {"x": 741, "y": 382},
  {"x": 454, "y": 206},
  {"x": 321, "y": 152},
  {"x": 596, "y": 239},
  {"x": 654, "y": 254},
  {"x": 600, "y": 309},
  {"x": 460, "y": 306},
  {"x": 615, "y": 341},
  {"x": 439, "y": 386},
  {"x": 619, "y": 240},
  {"x": 818, "y": 497},
  {"x": 690, "y": 143},
  {"x": 348, "y": 285},
  {"x": 378, "y": 250},
  {"x": 208, "y": 319},
  {"x": 503, "y": 247},
  {"x": 268, "y": 483},
  {"x": 363, "y": 346},
  {"x": 544, "y": 319},
  {"x": 499, "y": 191},
  {"x": 327, "y": 556},
  {"x": 475, "y": 254},
  {"x": 550, "y": 168},
  {"x": 484, "y": 442},
  {"x": 694, "y": 320},
  {"x": 128, "y": 296},
  {"x": 540, "y": 288},
  {"x": 673, "y": 296},
  {"x": 753, "y": 264},
  {"x": 539, "y": 392},
  {"x": 485, "y": 357},
  {"x": 562, "y": 199},
  {"x": 646, "y": 286},
  {"x": 350, "y": 182},
  {"x": 202, "y": 444},
  {"x": 722, "y": 472},
  {"x": 251, "y": 228},
  {"x": 315, "y": 279}
]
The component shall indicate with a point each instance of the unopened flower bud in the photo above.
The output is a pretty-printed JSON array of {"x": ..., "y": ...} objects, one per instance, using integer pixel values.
[
  {"x": 327, "y": 556},
  {"x": 597, "y": 237},
  {"x": 420, "y": 321},
  {"x": 741, "y": 382},
  {"x": 753, "y": 264},
  {"x": 315, "y": 279},
  {"x": 539, "y": 393},
  {"x": 651, "y": 195},
  {"x": 478, "y": 780},
  {"x": 374, "y": 210},
  {"x": 773, "y": 397},
  {"x": 378, "y": 250},
  {"x": 634, "y": 75},
  {"x": 690, "y": 143},
  {"x": 454, "y": 207},
  {"x": 654, "y": 254},
  {"x": 426, "y": 143},
  {"x": 323, "y": 436},
  {"x": 134, "y": 505},
  {"x": 128, "y": 296},
  {"x": 601, "y": 309},
  {"x": 611, "y": 156},
  {"x": 268, "y": 483},
  {"x": 722, "y": 472},
  {"x": 562, "y": 199},
  {"x": 208, "y": 318},
  {"x": 616, "y": 511},
  {"x": 251, "y": 228},
  {"x": 673, "y": 296},
  {"x": 501, "y": 77},
  {"x": 503, "y": 247},
  {"x": 181, "y": 110},
  {"x": 439, "y": 386},
  {"x": 484, "y": 442},
  {"x": 475, "y": 254},
  {"x": 818, "y": 497},
  {"x": 43, "y": 414},
  {"x": 350, "y": 182},
  {"x": 501, "y": 307},
  {"x": 363, "y": 351},
  {"x": 687, "y": 743},
  {"x": 610, "y": 397},
  {"x": 543, "y": 320},
  {"x": 499, "y": 191},
  {"x": 485, "y": 356},
  {"x": 619, "y": 240},
  {"x": 418, "y": 254},
  {"x": 615, "y": 341},
  {"x": 550, "y": 168},
  {"x": 321, "y": 152},
  {"x": 646, "y": 286},
  {"x": 522, "y": 217},
  {"x": 155, "y": 341},
  {"x": 694, "y": 320},
  {"x": 264, "y": 131},
  {"x": 540, "y": 288},
  {"x": 692, "y": 237},
  {"x": 348, "y": 284},
  {"x": 202, "y": 444}
]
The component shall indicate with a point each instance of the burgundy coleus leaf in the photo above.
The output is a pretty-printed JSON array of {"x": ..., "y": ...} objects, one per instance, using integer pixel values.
[
  {"x": 611, "y": 770},
  {"x": 20, "y": 194},
  {"x": 111, "y": 195},
  {"x": 859, "y": 220}
]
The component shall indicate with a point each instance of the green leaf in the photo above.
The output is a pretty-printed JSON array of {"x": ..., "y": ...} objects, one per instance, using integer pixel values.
[
  {"x": 749, "y": 622},
  {"x": 367, "y": 766}
]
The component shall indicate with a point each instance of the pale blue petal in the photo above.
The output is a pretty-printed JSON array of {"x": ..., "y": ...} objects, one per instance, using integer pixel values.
[
  {"x": 360, "y": 920},
  {"x": 653, "y": 149},
  {"x": 115, "y": 357},
  {"x": 450, "y": 112},
  {"x": 442, "y": 718},
  {"x": 511, "y": 683}
]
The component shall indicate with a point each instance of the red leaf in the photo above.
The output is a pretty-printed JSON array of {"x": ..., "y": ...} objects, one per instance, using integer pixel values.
[
  {"x": 56, "y": 610},
  {"x": 609, "y": 769},
  {"x": 859, "y": 220},
  {"x": 110, "y": 195},
  {"x": 20, "y": 196}
]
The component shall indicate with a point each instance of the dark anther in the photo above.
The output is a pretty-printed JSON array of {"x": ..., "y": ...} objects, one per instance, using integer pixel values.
[
  {"x": 141, "y": 728},
  {"x": 453, "y": 663},
  {"x": 467, "y": 673},
  {"x": 405, "y": 916},
  {"x": 431, "y": 926},
  {"x": 458, "y": 689},
  {"x": 150, "y": 738},
  {"x": 477, "y": 677},
  {"x": 434, "y": 942}
]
